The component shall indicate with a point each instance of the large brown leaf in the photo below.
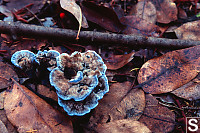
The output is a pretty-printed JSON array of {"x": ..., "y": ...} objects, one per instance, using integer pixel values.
[
  {"x": 103, "y": 16},
  {"x": 5, "y": 74},
  {"x": 146, "y": 10},
  {"x": 28, "y": 112},
  {"x": 189, "y": 31},
  {"x": 110, "y": 108},
  {"x": 139, "y": 26},
  {"x": 166, "y": 10},
  {"x": 170, "y": 71},
  {"x": 125, "y": 125},
  {"x": 157, "y": 118}
]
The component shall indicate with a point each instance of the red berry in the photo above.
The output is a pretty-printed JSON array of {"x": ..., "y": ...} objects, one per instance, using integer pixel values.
[{"x": 62, "y": 15}]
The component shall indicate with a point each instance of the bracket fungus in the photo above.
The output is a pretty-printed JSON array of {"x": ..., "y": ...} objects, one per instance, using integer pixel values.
[
  {"x": 48, "y": 58},
  {"x": 80, "y": 81},
  {"x": 24, "y": 59},
  {"x": 79, "y": 78}
]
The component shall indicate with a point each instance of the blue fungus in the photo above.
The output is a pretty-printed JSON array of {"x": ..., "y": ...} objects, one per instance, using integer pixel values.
[
  {"x": 79, "y": 92},
  {"x": 83, "y": 107},
  {"x": 23, "y": 59},
  {"x": 48, "y": 58}
]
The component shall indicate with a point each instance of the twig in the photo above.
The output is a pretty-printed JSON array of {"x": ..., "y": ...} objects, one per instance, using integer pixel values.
[
  {"x": 34, "y": 16},
  {"x": 34, "y": 31}
]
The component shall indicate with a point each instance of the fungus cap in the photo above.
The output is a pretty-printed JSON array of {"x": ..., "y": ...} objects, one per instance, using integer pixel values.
[
  {"x": 80, "y": 108},
  {"x": 23, "y": 59},
  {"x": 80, "y": 81},
  {"x": 67, "y": 89}
]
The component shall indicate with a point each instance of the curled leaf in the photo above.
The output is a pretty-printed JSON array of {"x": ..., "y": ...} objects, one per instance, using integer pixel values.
[
  {"x": 72, "y": 7},
  {"x": 117, "y": 61}
]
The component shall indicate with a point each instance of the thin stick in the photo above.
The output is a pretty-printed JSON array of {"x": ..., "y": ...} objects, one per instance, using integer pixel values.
[{"x": 95, "y": 38}]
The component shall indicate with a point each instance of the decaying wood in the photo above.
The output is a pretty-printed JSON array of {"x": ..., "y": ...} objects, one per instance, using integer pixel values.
[{"x": 33, "y": 31}]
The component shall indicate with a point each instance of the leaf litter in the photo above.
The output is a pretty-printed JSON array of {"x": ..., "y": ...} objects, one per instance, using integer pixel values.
[{"x": 126, "y": 105}]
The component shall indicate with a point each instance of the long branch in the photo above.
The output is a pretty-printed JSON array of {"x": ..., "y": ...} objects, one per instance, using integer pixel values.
[{"x": 34, "y": 31}]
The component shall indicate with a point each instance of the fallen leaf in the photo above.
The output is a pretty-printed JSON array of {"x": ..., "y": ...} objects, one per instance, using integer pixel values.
[
  {"x": 157, "y": 118},
  {"x": 5, "y": 74},
  {"x": 110, "y": 108},
  {"x": 114, "y": 62},
  {"x": 73, "y": 8},
  {"x": 170, "y": 71},
  {"x": 4, "y": 119},
  {"x": 103, "y": 16},
  {"x": 46, "y": 92},
  {"x": 125, "y": 125},
  {"x": 3, "y": 128},
  {"x": 138, "y": 26},
  {"x": 189, "y": 31},
  {"x": 166, "y": 11},
  {"x": 145, "y": 10},
  {"x": 189, "y": 91},
  {"x": 21, "y": 102}
]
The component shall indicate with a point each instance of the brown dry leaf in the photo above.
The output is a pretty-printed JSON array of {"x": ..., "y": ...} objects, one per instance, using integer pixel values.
[
  {"x": 145, "y": 10},
  {"x": 189, "y": 91},
  {"x": 123, "y": 126},
  {"x": 3, "y": 128},
  {"x": 170, "y": 71},
  {"x": 138, "y": 26},
  {"x": 28, "y": 112},
  {"x": 166, "y": 11},
  {"x": 117, "y": 61},
  {"x": 45, "y": 91},
  {"x": 103, "y": 16},
  {"x": 110, "y": 108},
  {"x": 189, "y": 31},
  {"x": 73, "y": 8},
  {"x": 157, "y": 118},
  {"x": 5, "y": 74}
]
